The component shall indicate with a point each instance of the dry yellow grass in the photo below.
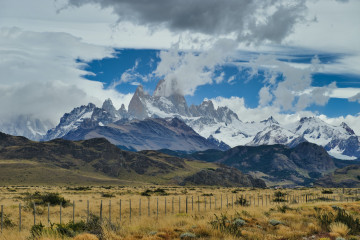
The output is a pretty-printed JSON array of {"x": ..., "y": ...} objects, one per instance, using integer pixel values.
[
  {"x": 298, "y": 220},
  {"x": 339, "y": 228}
]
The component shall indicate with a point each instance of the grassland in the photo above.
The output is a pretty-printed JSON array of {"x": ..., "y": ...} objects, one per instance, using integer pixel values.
[{"x": 299, "y": 217}]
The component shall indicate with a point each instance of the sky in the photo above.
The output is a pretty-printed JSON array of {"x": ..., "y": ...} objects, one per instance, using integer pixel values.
[{"x": 287, "y": 59}]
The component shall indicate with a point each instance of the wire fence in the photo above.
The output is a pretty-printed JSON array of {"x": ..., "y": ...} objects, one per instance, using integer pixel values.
[{"x": 126, "y": 209}]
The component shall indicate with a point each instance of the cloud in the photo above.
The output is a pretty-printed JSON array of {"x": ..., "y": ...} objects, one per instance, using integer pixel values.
[
  {"x": 355, "y": 98},
  {"x": 250, "y": 21},
  {"x": 288, "y": 86},
  {"x": 185, "y": 71},
  {"x": 41, "y": 74}
]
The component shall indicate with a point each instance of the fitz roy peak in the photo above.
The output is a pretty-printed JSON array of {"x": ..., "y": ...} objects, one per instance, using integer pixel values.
[{"x": 220, "y": 126}]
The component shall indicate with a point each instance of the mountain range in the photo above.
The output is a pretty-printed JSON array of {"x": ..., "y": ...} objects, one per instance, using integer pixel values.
[
  {"x": 97, "y": 161},
  {"x": 213, "y": 128}
]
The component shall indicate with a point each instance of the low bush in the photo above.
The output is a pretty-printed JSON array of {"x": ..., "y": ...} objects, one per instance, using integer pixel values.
[
  {"x": 45, "y": 198},
  {"x": 242, "y": 201},
  {"x": 327, "y": 192}
]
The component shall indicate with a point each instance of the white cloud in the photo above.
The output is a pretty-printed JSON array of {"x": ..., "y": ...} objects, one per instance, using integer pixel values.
[
  {"x": 185, "y": 71},
  {"x": 40, "y": 74}
]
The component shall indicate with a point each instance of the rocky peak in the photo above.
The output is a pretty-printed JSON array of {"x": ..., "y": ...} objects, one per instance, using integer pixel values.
[
  {"x": 137, "y": 106},
  {"x": 110, "y": 109},
  {"x": 347, "y": 128},
  {"x": 270, "y": 121}
]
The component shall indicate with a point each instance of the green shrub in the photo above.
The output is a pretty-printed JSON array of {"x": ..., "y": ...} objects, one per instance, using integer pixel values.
[
  {"x": 224, "y": 224},
  {"x": 107, "y": 195},
  {"x": 45, "y": 198},
  {"x": 279, "y": 196},
  {"x": 327, "y": 192},
  {"x": 241, "y": 201}
]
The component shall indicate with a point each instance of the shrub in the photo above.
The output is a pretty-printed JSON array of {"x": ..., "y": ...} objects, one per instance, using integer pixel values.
[
  {"x": 224, "y": 224},
  {"x": 187, "y": 235},
  {"x": 158, "y": 191},
  {"x": 69, "y": 229},
  {"x": 107, "y": 195},
  {"x": 326, "y": 218},
  {"x": 45, "y": 198},
  {"x": 241, "y": 201},
  {"x": 327, "y": 192},
  {"x": 207, "y": 194},
  {"x": 7, "y": 223},
  {"x": 78, "y": 188},
  {"x": 275, "y": 222},
  {"x": 279, "y": 196}
]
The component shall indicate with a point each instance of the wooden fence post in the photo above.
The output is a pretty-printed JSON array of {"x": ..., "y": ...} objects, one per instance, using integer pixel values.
[
  {"x": 205, "y": 203},
  {"x": 130, "y": 209},
  {"x": 198, "y": 204},
  {"x": 165, "y": 206},
  {"x": 87, "y": 211},
  {"x": 148, "y": 206},
  {"x": 2, "y": 217},
  {"x": 60, "y": 211},
  {"x": 157, "y": 207},
  {"x": 172, "y": 205},
  {"x": 101, "y": 211},
  {"x": 73, "y": 211},
  {"x": 48, "y": 215},
  {"x": 19, "y": 217},
  {"x": 221, "y": 201},
  {"x": 120, "y": 211},
  {"x": 110, "y": 212},
  {"x": 179, "y": 204},
  {"x": 186, "y": 204},
  {"x": 192, "y": 203},
  {"x": 210, "y": 201},
  {"x": 140, "y": 207},
  {"x": 34, "y": 214}
]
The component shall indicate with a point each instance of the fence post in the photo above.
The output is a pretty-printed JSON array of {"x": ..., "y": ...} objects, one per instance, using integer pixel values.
[
  {"x": 192, "y": 203},
  {"x": 205, "y": 203},
  {"x": 139, "y": 207},
  {"x": 186, "y": 205},
  {"x": 232, "y": 201},
  {"x": 227, "y": 201},
  {"x": 172, "y": 205},
  {"x": 101, "y": 211},
  {"x": 2, "y": 217},
  {"x": 48, "y": 213},
  {"x": 19, "y": 217},
  {"x": 198, "y": 204},
  {"x": 120, "y": 210},
  {"x": 87, "y": 212},
  {"x": 73, "y": 211},
  {"x": 60, "y": 211},
  {"x": 130, "y": 209},
  {"x": 110, "y": 212},
  {"x": 34, "y": 214},
  {"x": 148, "y": 206},
  {"x": 165, "y": 206},
  {"x": 157, "y": 207},
  {"x": 179, "y": 204},
  {"x": 221, "y": 202},
  {"x": 215, "y": 202},
  {"x": 210, "y": 202}
]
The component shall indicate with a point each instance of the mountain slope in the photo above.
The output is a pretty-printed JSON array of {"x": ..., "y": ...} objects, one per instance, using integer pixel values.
[
  {"x": 275, "y": 164},
  {"x": 151, "y": 133},
  {"x": 348, "y": 176},
  {"x": 97, "y": 161}
]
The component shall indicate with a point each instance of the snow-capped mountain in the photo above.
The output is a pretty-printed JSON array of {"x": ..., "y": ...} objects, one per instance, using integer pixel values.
[
  {"x": 86, "y": 116},
  {"x": 27, "y": 126},
  {"x": 219, "y": 125}
]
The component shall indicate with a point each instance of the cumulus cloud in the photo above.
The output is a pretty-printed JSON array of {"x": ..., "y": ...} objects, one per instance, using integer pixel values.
[
  {"x": 250, "y": 21},
  {"x": 41, "y": 74},
  {"x": 185, "y": 71},
  {"x": 294, "y": 90}
]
